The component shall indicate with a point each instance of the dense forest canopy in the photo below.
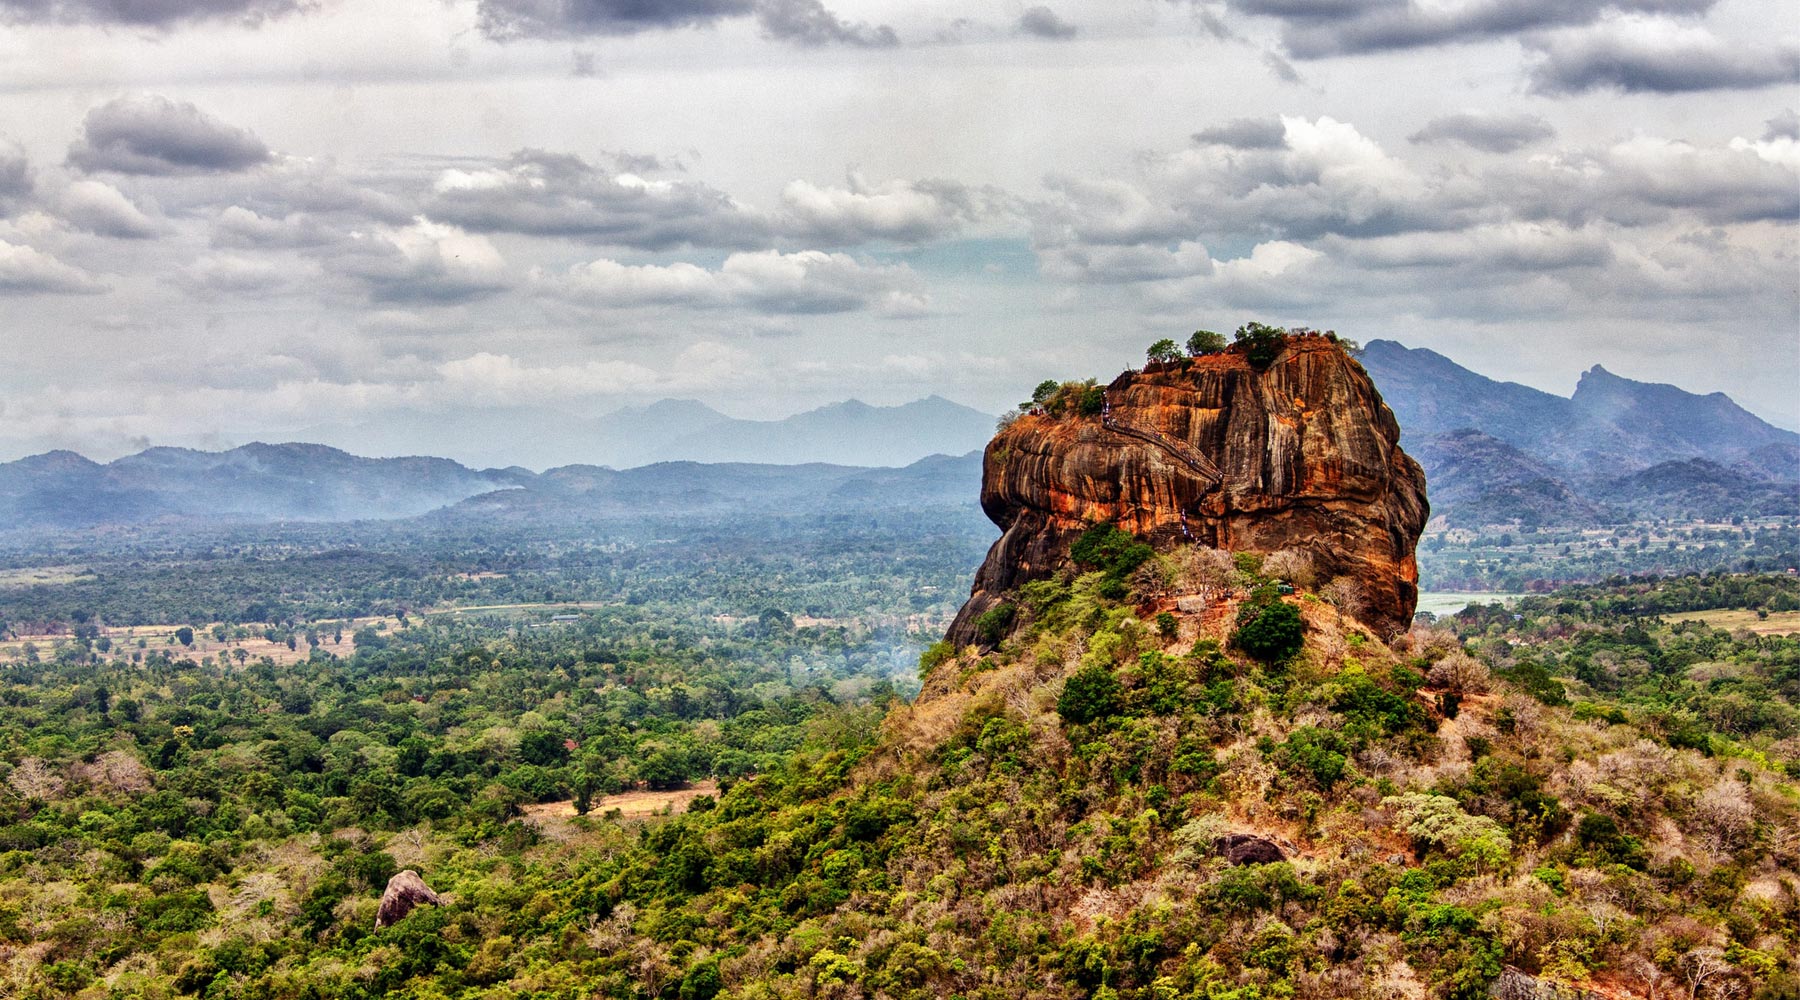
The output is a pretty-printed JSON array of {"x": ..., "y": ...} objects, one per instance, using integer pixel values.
[{"x": 643, "y": 768}]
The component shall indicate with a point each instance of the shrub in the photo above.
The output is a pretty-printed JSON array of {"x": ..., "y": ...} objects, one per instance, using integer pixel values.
[
  {"x": 1261, "y": 344},
  {"x": 1205, "y": 342},
  {"x": 1459, "y": 674},
  {"x": 934, "y": 654},
  {"x": 1090, "y": 694},
  {"x": 1163, "y": 351},
  {"x": 1319, "y": 754},
  {"x": 1269, "y": 631},
  {"x": 1293, "y": 565},
  {"x": 1202, "y": 569},
  {"x": 1438, "y": 821},
  {"x": 1107, "y": 548},
  {"x": 1167, "y": 625},
  {"x": 1537, "y": 682},
  {"x": 995, "y": 622},
  {"x": 1346, "y": 595}
]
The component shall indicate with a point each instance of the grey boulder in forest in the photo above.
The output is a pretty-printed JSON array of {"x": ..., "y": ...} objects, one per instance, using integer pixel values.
[{"x": 404, "y": 891}]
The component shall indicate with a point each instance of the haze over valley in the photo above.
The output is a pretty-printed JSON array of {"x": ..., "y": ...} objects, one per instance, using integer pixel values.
[{"x": 863, "y": 500}]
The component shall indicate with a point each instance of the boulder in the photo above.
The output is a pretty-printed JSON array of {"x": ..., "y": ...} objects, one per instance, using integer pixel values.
[
  {"x": 404, "y": 891},
  {"x": 1515, "y": 984},
  {"x": 1249, "y": 849},
  {"x": 1301, "y": 454}
]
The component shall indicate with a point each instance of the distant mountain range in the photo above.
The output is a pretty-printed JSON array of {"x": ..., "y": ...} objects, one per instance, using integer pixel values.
[
  {"x": 1617, "y": 449},
  {"x": 678, "y": 430},
  {"x": 1493, "y": 452},
  {"x": 308, "y": 482},
  {"x": 257, "y": 482}
]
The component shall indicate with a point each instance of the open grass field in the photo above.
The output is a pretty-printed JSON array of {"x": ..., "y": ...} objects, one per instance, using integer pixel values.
[
  {"x": 42, "y": 576},
  {"x": 552, "y": 818},
  {"x": 1778, "y": 622},
  {"x": 162, "y": 637}
]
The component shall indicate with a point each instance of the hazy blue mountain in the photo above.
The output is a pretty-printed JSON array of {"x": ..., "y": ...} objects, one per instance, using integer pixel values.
[
  {"x": 693, "y": 489},
  {"x": 1473, "y": 478},
  {"x": 675, "y": 430},
  {"x": 1611, "y": 426},
  {"x": 847, "y": 433},
  {"x": 1430, "y": 394},
  {"x": 1698, "y": 488},
  {"x": 256, "y": 482},
  {"x": 1616, "y": 449},
  {"x": 531, "y": 437}
]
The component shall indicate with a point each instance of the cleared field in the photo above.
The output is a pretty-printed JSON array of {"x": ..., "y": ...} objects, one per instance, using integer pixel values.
[
  {"x": 1778, "y": 622},
  {"x": 552, "y": 818},
  {"x": 162, "y": 637},
  {"x": 553, "y": 606},
  {"x": 42, "y": 576}
]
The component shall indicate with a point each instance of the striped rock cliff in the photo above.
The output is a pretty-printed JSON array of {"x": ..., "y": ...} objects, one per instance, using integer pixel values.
[{"x": 1302, "y": 454}]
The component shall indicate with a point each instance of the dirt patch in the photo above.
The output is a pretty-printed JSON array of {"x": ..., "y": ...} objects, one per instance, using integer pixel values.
[
  {"x": 553, "y": 817},
  {"x": 42, "y": 576},
  {"x": 1778, "y": 622},
  {"x": 161, "y": 638}
]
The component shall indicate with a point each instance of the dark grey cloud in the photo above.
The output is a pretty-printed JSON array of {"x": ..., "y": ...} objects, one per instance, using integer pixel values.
[
  {"x": 1042, "y": 22},
  {"x": 1245, "y": 133},
  {"x": 1312, "y": 30},
  {"x": 541, "y": 193},
  {"x": 1785, "y": 125},
  {"x": 1494, "y": 133},
  {"x": 807, "y": 22},
  {"x": 15, "y": 177},
  {"x": 148, "y": 134},
  {"x": 802, "y": 22},
  {"x": 510, "y": 19},
  {"x": 1645, "y": 181},
  {"x": 1656, "y": 57},
  {"x": 1283, "y": 70},
  {"x": 147, "y": 13}
]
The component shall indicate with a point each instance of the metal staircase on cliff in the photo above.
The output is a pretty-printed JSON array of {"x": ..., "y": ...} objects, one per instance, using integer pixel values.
[{"x": 1181, "y": 450}]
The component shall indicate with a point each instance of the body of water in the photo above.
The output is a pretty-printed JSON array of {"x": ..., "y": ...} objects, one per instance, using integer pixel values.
[{"x": 1446, "y": 602}]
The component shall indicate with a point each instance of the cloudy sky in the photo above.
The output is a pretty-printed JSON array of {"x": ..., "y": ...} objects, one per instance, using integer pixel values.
[{"x": 230, "y": 219}]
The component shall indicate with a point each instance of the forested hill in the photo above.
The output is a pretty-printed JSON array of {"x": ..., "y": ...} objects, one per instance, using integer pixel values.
[{"x": 305, "y": 482}]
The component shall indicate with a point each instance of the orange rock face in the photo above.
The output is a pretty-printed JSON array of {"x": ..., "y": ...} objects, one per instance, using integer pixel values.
[{"x": 1301, "y": 455}]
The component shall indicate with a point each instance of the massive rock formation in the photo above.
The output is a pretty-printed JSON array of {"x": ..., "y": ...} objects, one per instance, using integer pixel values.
[
  {"x": 404, "y": 892},
  {"x": 1301, "y": 454}
]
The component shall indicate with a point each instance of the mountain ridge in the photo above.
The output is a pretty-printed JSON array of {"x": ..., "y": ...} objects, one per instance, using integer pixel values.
[
  {"x": 847, "y": 432},
  {"x": 1582, "y": 450}
]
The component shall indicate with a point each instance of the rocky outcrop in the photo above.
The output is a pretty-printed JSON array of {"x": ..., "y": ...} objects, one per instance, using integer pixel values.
[
  {"x": 1248, "y": 849},
  {"x": 1302, "y": 454},
  {"x": 1514, "y": 984},
  {"x": 404, "y": 892}
]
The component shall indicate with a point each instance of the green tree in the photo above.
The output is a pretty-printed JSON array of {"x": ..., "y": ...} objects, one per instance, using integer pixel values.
[
  {"x": 994, "y": 623},
  {"x": 1205, "y": 342},
  {"x": 1090, "y": 694},
  {"x": 1261, "y": 344},
  {"x": 184, "y": 635},
  {"x": 1044, "y": 391},
  {"x": 1163, "y": 351},
  {"x": 1269, "y": 631}
]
